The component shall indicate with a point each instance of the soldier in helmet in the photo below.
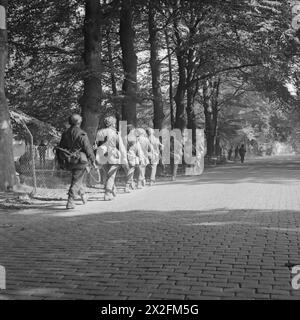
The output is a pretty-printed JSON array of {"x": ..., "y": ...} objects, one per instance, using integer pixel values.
[
  {"x": 133, "y": 157},
  {"x": 154, "y": 155},
  {"x": 145, "y": 149},
  {"x": 111, "y": 147},
  {"x": 75, "y": 139}
]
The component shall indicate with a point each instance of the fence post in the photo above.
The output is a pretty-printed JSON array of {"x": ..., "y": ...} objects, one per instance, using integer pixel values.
[{"x": 32, "y": 159}]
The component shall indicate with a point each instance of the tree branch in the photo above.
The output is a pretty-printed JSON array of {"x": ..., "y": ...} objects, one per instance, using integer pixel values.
[{"x": 209, "y": 75}]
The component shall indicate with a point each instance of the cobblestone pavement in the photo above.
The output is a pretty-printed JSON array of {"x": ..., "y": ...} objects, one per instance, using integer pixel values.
[{"x": 233, "y": 233}]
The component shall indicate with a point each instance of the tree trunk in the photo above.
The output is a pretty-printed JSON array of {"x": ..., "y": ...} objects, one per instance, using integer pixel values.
[
  {"x": 190, "y": 111},
  {"x": 215, "y": 112},
  {"x": 218, "y": 149},
  {"x": 209, "y": 133},
  {"x": 211, "y": 112},
  {"x": 170, "y": 68},
  {"x": 129, "y": 60},
  {"x": 111, "y": 64},
  {"x": 209, "y": 123},
  {"x": 155, "y": 68},
  {"x": 191, "y": 92},
  {"x": 7, "y": 165},
  {"x": 191, "y": 116},
  {"x": 113, "y": 80},
  {"x": 180, "y": 121},
  {"x": 91, "y": 99}
]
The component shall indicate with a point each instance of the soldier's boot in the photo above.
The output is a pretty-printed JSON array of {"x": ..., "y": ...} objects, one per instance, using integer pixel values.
[
  {"x": 127, "y": 188},
  {"x": 70, "y": 203},
  {"x": 139, "y": 185},
  {"x": 84, "y": 197},
  {"x": 114, "y": 191},
  {"x": 132, "y": 186},
  {"x": 108, "y": 196},
  {"x": 151, "y": 183}
]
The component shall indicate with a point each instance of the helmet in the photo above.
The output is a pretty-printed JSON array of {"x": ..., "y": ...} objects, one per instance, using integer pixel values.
[
  {"x": 110, "y": 121},
  {"x": 75, "y": 119},
  {"x": 141, "y": 132}
]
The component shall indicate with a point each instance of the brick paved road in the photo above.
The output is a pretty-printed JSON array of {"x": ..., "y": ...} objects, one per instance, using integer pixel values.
[{"x": 233, "y": 233}]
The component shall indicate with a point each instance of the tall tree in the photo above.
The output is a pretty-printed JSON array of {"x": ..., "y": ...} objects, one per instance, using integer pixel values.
[
  {"x": 170, "y": 76},
  {"x": 129, "y": 61},
  {"x": 7, "y": 167},
  {"x": 211, "y": 90},
  {"x": 155, "y": 66},
  {"x": 181, "y": 118},
  {"x": 91, "y": 99}
]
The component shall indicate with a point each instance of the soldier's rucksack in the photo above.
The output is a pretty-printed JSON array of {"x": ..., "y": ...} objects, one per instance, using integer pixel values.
[{"x": 67, "y": 159}]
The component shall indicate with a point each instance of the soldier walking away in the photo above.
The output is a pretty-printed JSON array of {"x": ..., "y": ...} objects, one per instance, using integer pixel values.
[
  {"x": 75, "y": 140},
  {"x": 133, "y": 157},
  {"x": 154, "y": 153},
  {"x": 236, "y": 152},
  {"x": 242, "y": 152},
  {"x": 230, "y": 152},
  {"x": 112, "y": 149},
  {"x": 145, "y": 149}
]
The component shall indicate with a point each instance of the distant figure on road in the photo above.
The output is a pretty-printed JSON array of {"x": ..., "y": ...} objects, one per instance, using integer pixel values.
[
  {"x": 242, "y": 152},
  {"x": 230, "y": 153},
  {"x": 236, "y": 152}
]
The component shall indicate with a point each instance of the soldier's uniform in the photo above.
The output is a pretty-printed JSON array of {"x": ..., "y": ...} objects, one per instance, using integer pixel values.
[
  {"x": 109, "y": 156},
  {"x": 242, "y": 152},
  {"x": 145, "y": 148},
  {"x": 133, "y": 156},
  {"x": 74, "y": 139},
  {"x": 154, "y": 154}
]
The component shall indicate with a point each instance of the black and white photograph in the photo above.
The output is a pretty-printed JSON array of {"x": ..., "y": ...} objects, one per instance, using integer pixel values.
[{"x": 149, "y": 151}]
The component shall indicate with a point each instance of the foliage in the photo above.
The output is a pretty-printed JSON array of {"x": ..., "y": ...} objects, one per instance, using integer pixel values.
[{"x": 249, "y": 44}]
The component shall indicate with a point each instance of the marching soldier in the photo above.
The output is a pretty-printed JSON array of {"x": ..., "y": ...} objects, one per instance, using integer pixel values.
[{"x": 74, "y": 139}]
